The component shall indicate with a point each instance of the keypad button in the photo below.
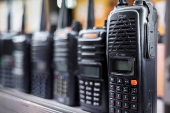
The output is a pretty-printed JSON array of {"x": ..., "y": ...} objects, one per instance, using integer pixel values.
[
  {"x": 112, "y": 102},
  {"x": 88, "y": 102},
  {"x": 119, "y": 96},
  {"x": 90, "y": 83},
  {"x": 81, "y": 82},
  {"x": 88, "y": 98},
  {"x": 82, "y": 87},
  {"x": 96, "y": 89},
  {"x": 118, "y": 104},
  {"x": 82, "y": 91},
  {"x": 118, "y": 88},
  {"x": 133, "y": 98},
  {"x": 113, "y": 80},
  {"x": 127, "y": 82},
  {"x": 88, "y": 88},
  {"x": 134, "y": 90},
  {"x": 96, "y": 103},
  {"x": 112, "y": 95},
  {"x": 86, "y": 83},
  {"x": 88, "y": 93},
  {"x": 119, "y": 81},
  {"x": 134, "y": 106},
  {"x": 112, "y": 87},
  {"x": 82, "y": 100},
  {"x": 96, "y": 94},
  {"x": 96, "y": 99},
  {"x": 112, "y": 110},
  {"x": 118, "y": 111},
  {"x": 97, "y": 84},
  {"x": 126, "y": 105},
  {"x": 126, "y": 111},
  {"x": 125, "y": 89},
  {"x": 82, "y": 96},
  {"x": 125, "y": 97}
]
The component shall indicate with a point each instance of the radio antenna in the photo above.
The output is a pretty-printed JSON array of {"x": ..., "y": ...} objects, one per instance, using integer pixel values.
[
  {"x": 9, "y": 17},
  {"x": 123, "y": 2},
  {"x": 63, "y": 16},
  {"x": 23, "y": 20},
  {"x": 90, "y": 15},
  {"x": 43, "y": 17}
]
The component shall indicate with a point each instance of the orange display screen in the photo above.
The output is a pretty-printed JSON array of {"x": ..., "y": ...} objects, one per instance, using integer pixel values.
[{"x": 90, "y": 35}]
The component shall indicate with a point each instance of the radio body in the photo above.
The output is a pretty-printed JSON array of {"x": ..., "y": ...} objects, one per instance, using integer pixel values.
[
  {"x": 7, "y": 60},
  {"x": 41, "y": 58},
  {"x": 66, "y": 68},
  {"x": 132, "y": 58},
  {"x": 93, "y": 70},
  {"x": 22, "y": 66}
]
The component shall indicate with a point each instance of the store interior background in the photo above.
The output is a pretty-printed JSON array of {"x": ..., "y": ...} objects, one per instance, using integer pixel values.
[{"x": 78, "y": 12}]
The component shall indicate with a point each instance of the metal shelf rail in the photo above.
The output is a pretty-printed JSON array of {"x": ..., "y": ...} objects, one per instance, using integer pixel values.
[{"x": 12, "y": 101}]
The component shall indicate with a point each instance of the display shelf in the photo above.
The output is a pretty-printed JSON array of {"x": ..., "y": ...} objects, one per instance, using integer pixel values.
[{"x": 13, "y": 101}]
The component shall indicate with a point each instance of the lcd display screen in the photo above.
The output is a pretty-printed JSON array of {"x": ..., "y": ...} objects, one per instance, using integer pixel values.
[
  {"x": 122, "y": 65},
  {"x": 90, "y": 71},
  {"x": 39, "y": 65},
  {"x": 62, "y": 66}
]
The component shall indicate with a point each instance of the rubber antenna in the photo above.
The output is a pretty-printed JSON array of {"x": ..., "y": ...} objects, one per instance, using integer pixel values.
[
  {"x": 63, "y": 16},
  {"x": 90, "y": 15},
  {"x": 43, "y": 17},
  {"x": 9, "y": 17},
  {"x": 23, "y": 20}
]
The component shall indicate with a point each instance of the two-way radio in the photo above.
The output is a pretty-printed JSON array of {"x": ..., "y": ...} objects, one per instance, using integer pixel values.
[
  {"x": 65, "y": 60},
  {"x": 22, "y": 59},
  {"x": 93, "y": 80},
  {"x": 7, "y": 61},
  {"x": 132, "y": 57},
  {"x": 41, "y": 58}
]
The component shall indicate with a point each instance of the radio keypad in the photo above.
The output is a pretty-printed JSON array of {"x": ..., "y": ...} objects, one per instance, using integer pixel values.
[
  {"x": 123, "y": 94},
  {"x": 90, "y": 92},
  {"x": 39, "y": 83},
  {"x": 61, "y": 86}
]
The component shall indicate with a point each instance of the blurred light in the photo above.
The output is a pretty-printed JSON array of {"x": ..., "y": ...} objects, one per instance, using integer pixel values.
[
  {"x": 59, "y": 3},
  {"x": 69, "y": 3}
]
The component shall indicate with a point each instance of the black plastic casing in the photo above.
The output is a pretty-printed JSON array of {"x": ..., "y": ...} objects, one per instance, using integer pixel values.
[
  {"x": 7, "y": 61},
  {"x": 22, "y": 62},
  {"x": 132, "y": 33},
  {"x": 41, "y": 57},
  {"x": 92, "y": 52},
  {"x": 66, "y": 83}
]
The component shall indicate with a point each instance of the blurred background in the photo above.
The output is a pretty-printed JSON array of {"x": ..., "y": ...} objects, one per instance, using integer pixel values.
[{"x": 77, "y": 11}]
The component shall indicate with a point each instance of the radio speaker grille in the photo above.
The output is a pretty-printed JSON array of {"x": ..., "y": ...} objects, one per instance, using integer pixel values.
[{"x": 122, "y": 35}]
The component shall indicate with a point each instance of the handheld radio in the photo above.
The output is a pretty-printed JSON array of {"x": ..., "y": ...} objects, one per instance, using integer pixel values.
[
  {"x": 92, "y": 66},
  {"x": 41, "y": 58},
  {"x": 132, "y": 57},
  {"x": 65, "y": 60},
  {"x": 22, "y": 59},
  {"x": 7, "y": 61}
]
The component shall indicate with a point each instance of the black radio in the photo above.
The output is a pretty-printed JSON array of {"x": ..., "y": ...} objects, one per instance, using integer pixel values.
[
  {"x": 131, "y": 56},
  {"x": 7, "y": 61},
  {"x": 41, "y": 58},
  {"x": 22, "y": 55},
  {"x": 22, "y": 66},
  {"x": 65, "y": 60},
  {"x": 42, "y": 73},
  {"x": 92, "y": 66}
]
